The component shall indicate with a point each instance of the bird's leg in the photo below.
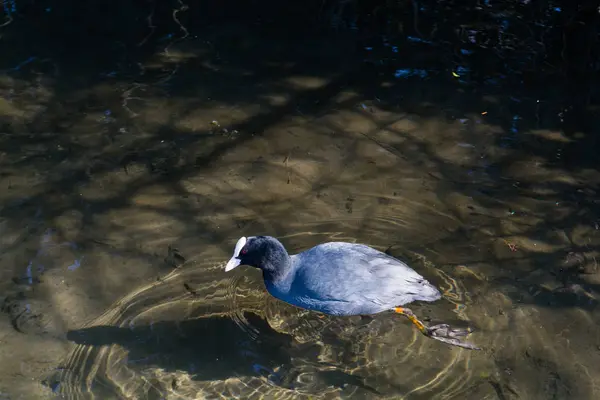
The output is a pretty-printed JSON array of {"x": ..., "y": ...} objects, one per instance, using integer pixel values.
[{"x": 441, "y": 332}]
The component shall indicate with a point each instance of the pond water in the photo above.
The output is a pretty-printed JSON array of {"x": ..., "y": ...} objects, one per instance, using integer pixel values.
[{"x": 137, "y": 147}]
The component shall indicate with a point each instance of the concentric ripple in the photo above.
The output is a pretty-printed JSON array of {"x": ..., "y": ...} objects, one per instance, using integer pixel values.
[{"x": 199, "y": 333}]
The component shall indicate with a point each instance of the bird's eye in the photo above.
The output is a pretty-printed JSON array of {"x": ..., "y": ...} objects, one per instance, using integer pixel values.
[{"x": 244, "y": 251}]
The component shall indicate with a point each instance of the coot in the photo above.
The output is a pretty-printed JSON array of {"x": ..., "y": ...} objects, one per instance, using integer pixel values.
[{"x": 340, "y": 278}]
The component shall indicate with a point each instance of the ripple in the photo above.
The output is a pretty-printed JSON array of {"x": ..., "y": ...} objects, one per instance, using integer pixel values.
[
  {"x": 236, "y": 294},
  {"x": 200, "y": 333},
  {"x": 383, "y": 350},
  {"x": 161, "y": 340}
]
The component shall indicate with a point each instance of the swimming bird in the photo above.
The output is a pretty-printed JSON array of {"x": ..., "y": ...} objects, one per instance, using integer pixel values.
[{"x": 342, "y": 279}]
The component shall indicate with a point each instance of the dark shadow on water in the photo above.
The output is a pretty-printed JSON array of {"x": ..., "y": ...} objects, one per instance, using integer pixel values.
[{"x": 208, "y": 349}]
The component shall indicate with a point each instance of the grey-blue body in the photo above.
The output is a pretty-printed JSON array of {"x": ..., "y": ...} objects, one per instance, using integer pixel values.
[
  {"x": 336, "y": 278},
  {"x": 339, "y": 278}
]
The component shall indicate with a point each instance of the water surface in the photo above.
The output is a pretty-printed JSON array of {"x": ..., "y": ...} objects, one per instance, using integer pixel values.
[{"x": 131, "y": 164}]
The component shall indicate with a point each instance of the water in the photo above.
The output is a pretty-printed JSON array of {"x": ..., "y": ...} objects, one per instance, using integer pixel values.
[{"x": 137, "y": 147}]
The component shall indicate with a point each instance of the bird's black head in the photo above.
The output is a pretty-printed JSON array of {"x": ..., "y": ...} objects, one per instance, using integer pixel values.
[{"x": 263, "y": 252}]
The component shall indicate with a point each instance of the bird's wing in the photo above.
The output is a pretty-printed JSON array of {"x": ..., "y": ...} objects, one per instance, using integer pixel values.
[{"x": 354, "y": 273}]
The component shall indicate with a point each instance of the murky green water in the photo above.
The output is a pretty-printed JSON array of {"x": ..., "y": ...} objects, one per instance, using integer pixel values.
[{"x": 128, "y": 175}]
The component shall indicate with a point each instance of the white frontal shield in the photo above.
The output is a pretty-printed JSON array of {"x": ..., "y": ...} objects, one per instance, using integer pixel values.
[{"x": 235, "y": 261}]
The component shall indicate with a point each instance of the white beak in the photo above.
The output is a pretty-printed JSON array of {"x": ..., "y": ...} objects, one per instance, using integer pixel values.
[{"x": 235, "y": 261}]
